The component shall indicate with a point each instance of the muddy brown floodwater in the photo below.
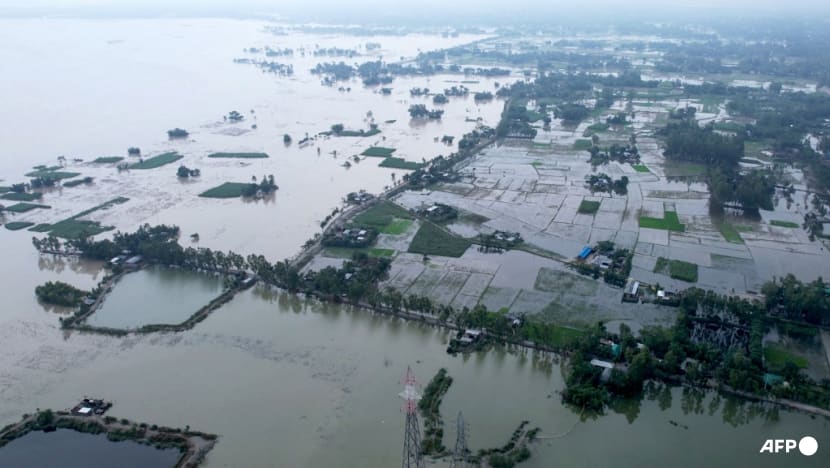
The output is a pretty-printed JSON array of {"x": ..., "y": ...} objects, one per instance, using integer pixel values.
[{"x": 283, "y": 382}]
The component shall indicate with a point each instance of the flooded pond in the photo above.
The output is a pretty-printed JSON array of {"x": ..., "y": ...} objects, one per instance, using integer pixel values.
[
  {"x": 156, "y": 295},
  {"x": 71, "y": 449}
]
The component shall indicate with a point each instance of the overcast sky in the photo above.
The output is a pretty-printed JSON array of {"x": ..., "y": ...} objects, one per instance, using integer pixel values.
[{"x": 374, "y": 9}]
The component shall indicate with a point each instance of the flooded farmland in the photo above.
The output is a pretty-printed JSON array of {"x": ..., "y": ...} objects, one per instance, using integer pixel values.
[{"x": 291, "y": 382}]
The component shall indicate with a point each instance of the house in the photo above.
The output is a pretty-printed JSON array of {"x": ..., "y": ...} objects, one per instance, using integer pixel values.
[
  {"x": 585, "y": 253},
  {"x": 631, "y": 291},
  {"x": 473, "y": 335},
  {"x": 133, "y": 262}
]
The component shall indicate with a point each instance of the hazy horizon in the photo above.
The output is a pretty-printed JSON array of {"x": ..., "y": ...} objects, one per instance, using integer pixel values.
[{"x": 455, "y": 11}]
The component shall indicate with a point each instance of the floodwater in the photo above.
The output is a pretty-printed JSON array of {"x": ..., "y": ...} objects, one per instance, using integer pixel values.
[
  {"x": 283, "y": 382},
  {"x": 124, "y": 83},
  {"x": 70, "y": 449},
  {"x": 156, "y": 295}
]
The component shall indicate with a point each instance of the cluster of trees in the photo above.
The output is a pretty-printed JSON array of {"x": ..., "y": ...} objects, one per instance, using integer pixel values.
[
  {"x": 265, "y": 186},
  {"x": 420, "y": 111},
  {"x": 795, "y": 300},
  {"x": 234, "y": 116},
  {"x": 621, "y": 153},
  {"x": 751, "y": 191},
  {"x": 183, "y": 172},
  {"x": 603, "y": 183},
  {"x": 60, "y": 293},
  {"x": 178, "y": 133},
  {"x": 515, "y": 122}
]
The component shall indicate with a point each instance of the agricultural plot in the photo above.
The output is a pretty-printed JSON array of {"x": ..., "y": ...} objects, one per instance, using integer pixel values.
[
  {"x": 157, "y": 161},
  {"x": 378, "y": 152},
  {"x": 226, "y": 190}
]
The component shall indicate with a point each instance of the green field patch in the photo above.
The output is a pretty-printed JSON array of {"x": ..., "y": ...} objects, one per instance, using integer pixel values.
[
  {"x": 347, "y": 253},
  {"x": 730, "y": 233},
  {"x": 669, "y": 222},
  {"x": 640, "y": 168},
  {"x": 76, "y": 182},
  {"x": 380, "y": 215},
  {"x": 226, "y": 190},
  {"x": 378, "y": 152},
  {"x": 581, "y": 145},
  {"x": 777, "y": 357},
  {"x": 18, "y": 225},
  {"x": 24, "y": 207},
  {"x": 157, "y": 161},
  {"x": 677, "y": 269},
  {"x": 239, "y": 155},
  {"x": 358, "y": 133},
  {"x": 5, "y": 189},
  {"x": 75, "y": 228},
  {"x": 42, "y": 227},
  {"x": 588, "y": 206},
  {"x": 400, "y": 163},
  {"x": 536, "y": 163},
  {"x": 15, "y": 196},
  {"x": 432, "y": 240},
  {"x": 51, "y": 173},
  {"x": 594, "y": 128},
  {"x": 108, "y": 159},
  {"x": 396, "y": 227},
  {"x": 786, "y": 224}
]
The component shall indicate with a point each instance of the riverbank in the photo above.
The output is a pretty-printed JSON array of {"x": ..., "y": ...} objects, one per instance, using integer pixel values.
[{"x": 193, "y": 445}]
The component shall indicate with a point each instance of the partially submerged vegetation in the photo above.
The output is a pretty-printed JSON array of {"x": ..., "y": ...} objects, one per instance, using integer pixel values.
[
  {"x": 157, "y": 161},
  {"x": 239, "y": 155},
  {"x": 60, "y": 293}
]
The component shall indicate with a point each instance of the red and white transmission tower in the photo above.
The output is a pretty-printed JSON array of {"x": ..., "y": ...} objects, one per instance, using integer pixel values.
[{"x": 412, "y": 438}]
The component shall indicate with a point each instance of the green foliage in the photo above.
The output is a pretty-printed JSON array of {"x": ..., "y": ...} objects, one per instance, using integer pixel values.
[
  {"x": 588, "y": 207},
  {"x": 382, "y": 215},
  {"x": 18, "y": 225},
  {"x": 669, "y": 222},
  {"x": 22, "y": 196},
  {"x": 677, "y": 269},
  {"x": 640, "y": 168},
  {"x": 50, "y": 173},
  {"x": 776, "y": 358},
  {"x": 108, "y": 159},
  {"x": 786, "y": 224},
  {"x": 581, "y": 145},
  {"x": 74, "y": 183},
  {"x": 433, "y": 240},
  {"x": 24, "y": 207},
  {"x": 74, "y": 228},
  {"x": 178, "y": 133},
  {"x": 157, "y": 161},
  {"x": 60, "y": 293},
  {"x": 729, "y": 232},
  {"x": 430, "y": 406},
  {"x": 239, "y": 155},
  {"x": 227, "y": 190},
  {"x": 378, "y": 152},
  {"x": 400, "y": 163}
]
